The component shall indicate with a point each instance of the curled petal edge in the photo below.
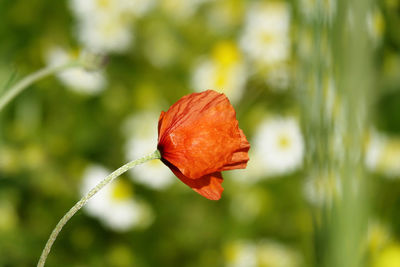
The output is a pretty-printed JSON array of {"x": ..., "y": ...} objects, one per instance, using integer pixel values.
[{"x": 209, "y": 186}]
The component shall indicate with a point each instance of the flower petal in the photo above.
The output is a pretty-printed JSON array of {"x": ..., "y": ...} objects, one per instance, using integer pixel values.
[
  {"x": 200, "y": 135},
  {"x": 160, "y": 122},
  {"x": 209, "y": 186},
  {"x": 241, "y": 156}
]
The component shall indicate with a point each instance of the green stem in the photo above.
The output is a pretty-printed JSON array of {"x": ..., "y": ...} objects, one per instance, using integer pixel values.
[
  {"x": 15, "y": 90},
  {"x": 155, "y": 155}
]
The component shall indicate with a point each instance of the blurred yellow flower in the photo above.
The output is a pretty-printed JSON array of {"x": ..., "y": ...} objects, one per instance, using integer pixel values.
[
  {"x": 122, "y": 190},
  {"x": 223, "y": 71},
  {"x": 389, "y": 257},
  {"x": 226, "y": 53},
  {"x": 77, "y": 79},
  {"x": 115, "y": 206},
  {"x": 378, "y": 236}
]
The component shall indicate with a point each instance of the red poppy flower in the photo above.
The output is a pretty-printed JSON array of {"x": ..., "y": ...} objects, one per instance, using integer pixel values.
[{"x": 198, "y": 137}]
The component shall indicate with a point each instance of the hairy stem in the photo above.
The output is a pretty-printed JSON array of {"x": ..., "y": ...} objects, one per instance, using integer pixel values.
[
  {"x": 15, "y": 90},
  {"x": 84, "y": 200}
]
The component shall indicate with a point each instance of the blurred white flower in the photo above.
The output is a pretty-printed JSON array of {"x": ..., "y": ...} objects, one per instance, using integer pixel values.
[
  {"x": 87, "y": 9},
  {"x": 114, "y": 205},
  {"x": 278, "y": 76},
  {"x": 241, "y": 254},
  {"x": 383, "y": 154},
  {"x": 375, "y": 147},
  {"x": 223, "y": 72},
  {"x": 262, "y": 253},
  {"x": 266, "y": 35},
  {"x": 271, "y": 253},
  {"x": 321, "y": 189},
  {"x": 77, "y": 79},
  {"x": 137, "y": 8},
  {"x": 106, "y": 25},
  {"x": 105, "y": 34},
  {"x": 254, "y": 171},
  {"x": 278, "y": 143},
  {"x": 141, "y": 130}
]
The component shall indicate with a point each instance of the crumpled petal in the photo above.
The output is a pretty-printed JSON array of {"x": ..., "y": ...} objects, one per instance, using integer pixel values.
[
  {"x": 209, "y": 186},
  {"x": 199, "y": 135}
]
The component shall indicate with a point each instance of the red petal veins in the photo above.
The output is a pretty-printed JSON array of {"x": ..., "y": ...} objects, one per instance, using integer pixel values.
[
  {"x": 187, "y": 108},
  {"x": 199, "y": 135},
  {"x": 209, "y": 186},
  {"x": 241, "y": 156}
]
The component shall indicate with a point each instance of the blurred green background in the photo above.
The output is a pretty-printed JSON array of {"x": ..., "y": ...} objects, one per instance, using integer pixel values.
[{"x": 67, "y": 131}]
